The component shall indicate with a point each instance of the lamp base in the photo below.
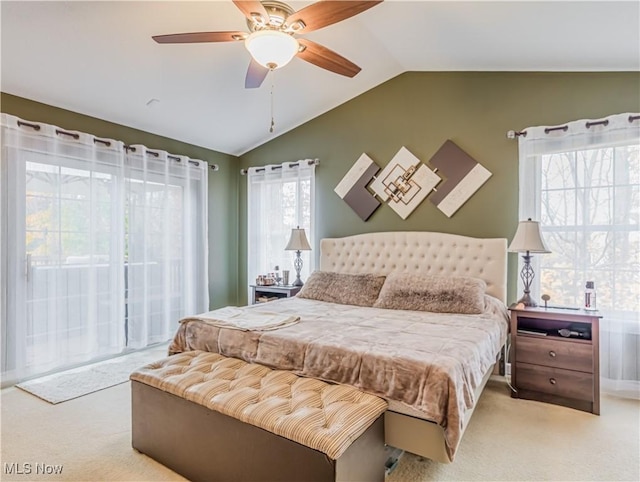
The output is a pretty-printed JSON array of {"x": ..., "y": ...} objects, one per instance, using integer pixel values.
[
  {"x": 527, "y": 276},
  {"x": 526, "y": 300},
  {"x": 297, "y": 264}
]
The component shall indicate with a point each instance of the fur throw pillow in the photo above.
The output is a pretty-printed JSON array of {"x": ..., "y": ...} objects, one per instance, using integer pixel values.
[
  {"x": 346, "y": 289},
  {"x": 438, "y": 294}
]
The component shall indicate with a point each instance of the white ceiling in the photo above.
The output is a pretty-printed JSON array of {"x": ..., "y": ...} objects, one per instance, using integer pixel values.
[{"x": 97, "y": 58}]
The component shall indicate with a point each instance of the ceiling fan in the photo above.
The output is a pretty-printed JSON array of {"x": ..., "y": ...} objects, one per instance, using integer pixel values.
[{"x": 272, "y": 42}]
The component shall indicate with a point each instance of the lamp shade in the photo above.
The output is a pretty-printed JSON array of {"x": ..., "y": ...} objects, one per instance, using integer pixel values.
[
  {"x": 298, "y": 241},
  {"x": 528, "y": 238},
  {"x": 271, "y": 49}
]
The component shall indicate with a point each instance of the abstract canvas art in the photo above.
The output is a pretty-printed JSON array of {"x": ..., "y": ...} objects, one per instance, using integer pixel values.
[
  {"x": 464, "y": 176},
  {"x": 353, "y": 187},
  {"x": 405, "y": 182}
]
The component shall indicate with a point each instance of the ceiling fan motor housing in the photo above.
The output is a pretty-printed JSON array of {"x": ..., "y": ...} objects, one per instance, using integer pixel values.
[{"x": 278, "y": 13}]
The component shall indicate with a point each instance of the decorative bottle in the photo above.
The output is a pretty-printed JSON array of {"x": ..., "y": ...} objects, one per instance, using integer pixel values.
[{"x": 590, "y": 296}]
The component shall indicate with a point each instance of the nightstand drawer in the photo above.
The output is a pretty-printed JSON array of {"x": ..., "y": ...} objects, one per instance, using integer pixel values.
[
  {"x": 555, "y": 353},
  {"x": 555, "y": 381}
]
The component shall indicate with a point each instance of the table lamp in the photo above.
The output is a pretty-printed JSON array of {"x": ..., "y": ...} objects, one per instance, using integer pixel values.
[
  {"x": 298, "y": 242},
  {"x": 528, "y": 239}
]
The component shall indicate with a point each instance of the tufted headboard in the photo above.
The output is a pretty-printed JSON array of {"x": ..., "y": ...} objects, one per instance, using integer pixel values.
[{"x": 420, "y": 252}]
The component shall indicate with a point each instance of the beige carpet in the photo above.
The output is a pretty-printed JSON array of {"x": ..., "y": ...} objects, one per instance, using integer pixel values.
[{"x": 507, "y": 439}]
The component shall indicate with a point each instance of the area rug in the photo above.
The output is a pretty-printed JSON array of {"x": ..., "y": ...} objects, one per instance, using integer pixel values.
[{"x": 81, "y": 381}]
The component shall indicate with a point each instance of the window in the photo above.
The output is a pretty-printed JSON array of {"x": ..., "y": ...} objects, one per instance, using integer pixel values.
[
  {"x": 590, "y": 202},
  {"x": 280, "y": 197},
  {"x": 582, "y": 182}
]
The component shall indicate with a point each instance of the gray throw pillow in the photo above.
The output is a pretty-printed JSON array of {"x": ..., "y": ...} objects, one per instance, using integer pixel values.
[
  {"x": 346, "y": 289},
  {"x": 438, "y": 294}
]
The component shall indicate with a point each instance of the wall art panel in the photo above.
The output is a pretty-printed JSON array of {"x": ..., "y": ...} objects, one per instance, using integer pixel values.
[
  {"x": 464, "y": 176},
  {"x": 353, "y": 187}
]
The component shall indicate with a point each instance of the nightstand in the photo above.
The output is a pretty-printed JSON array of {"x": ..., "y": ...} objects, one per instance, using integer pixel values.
[
  {"x": 263, "y": 294},
  {"x": 549, "y": 367}
]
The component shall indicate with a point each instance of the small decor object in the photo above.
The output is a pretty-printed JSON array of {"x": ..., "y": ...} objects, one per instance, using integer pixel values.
[
  {"x": 404, "y": 183},
  {"x": 568, "y": 333},
  {"x": 298, "y": 242},
  {"x": 545, "y": 298},
  {"x": 285, "y": 277},
  {"x": 352, "y": 189},
  {"x": 590, "y": 296},
  {"x": 464, "y": 177},
  {"x": 265, "y": 280},
  {"x": 528, "y": 239}
]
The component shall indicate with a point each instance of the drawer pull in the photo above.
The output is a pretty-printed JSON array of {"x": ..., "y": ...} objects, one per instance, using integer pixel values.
[
  {"x": 552, "y": 354},
  {"x": 552, "y": 381}
]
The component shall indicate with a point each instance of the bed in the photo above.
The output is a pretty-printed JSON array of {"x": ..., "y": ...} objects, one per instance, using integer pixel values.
[{"x": 430, "y": 367}]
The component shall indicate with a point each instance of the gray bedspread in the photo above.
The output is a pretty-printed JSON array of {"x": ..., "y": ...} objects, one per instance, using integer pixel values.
[{"x": 431, "y": 362}]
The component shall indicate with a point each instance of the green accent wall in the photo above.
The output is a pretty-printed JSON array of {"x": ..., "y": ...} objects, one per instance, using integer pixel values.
[
  {"x": 421, "y": 110},
  {"x": 223, "y": 184},
  {"x": 418, "y": 110}
]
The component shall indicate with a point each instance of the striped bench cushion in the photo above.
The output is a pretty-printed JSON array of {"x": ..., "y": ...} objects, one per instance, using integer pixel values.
[{"x": 313, "y": 413}]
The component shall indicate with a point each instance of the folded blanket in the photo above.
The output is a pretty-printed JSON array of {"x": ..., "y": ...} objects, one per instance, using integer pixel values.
[{"x": 244, "y": 319}]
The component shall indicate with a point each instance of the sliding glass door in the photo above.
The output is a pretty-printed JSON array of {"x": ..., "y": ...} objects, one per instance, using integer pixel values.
[
  {"x": 104, "y": 248},
  {"x": 65, "y": 282}
]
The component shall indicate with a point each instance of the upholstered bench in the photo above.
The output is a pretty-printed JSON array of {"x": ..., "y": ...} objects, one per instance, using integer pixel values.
[{"x": 209, "y": 417}]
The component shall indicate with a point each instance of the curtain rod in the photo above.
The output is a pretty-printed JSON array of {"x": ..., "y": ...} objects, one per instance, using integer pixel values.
[
  {"x": 310, "y": 162},
  {"x": 603, "y": 122},
  {"x": 214, "y": 167},
  {"x": 75, "y": 135}
]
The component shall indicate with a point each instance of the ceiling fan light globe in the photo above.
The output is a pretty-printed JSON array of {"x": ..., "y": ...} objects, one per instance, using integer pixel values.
[{"x": 271, "y": 49}]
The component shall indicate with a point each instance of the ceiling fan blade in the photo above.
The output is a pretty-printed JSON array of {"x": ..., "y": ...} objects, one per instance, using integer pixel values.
[
  {"x": 327, "y": 59},
  {"x": 197, "y": 37},
  {"x": 328, "y": 12},
  {"x": 251, "y": 9},
  {"x": 256, "y": 74}
]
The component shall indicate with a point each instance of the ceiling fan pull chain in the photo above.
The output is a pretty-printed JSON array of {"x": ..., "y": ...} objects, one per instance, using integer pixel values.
[{"x": 272, "y": 121}]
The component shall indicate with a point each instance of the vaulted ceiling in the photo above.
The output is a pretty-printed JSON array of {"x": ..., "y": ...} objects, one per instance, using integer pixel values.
[{"x": 98, "y": 58}]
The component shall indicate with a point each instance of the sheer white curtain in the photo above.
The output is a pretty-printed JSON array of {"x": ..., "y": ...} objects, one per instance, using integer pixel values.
[
  {"x": 102, "y": 249},
  {"x": 280, "y": 197},
  {"x": 166, "y": 246},
  {"x": 582, "y": 182},
  {"x": 62, "y": 248}
]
